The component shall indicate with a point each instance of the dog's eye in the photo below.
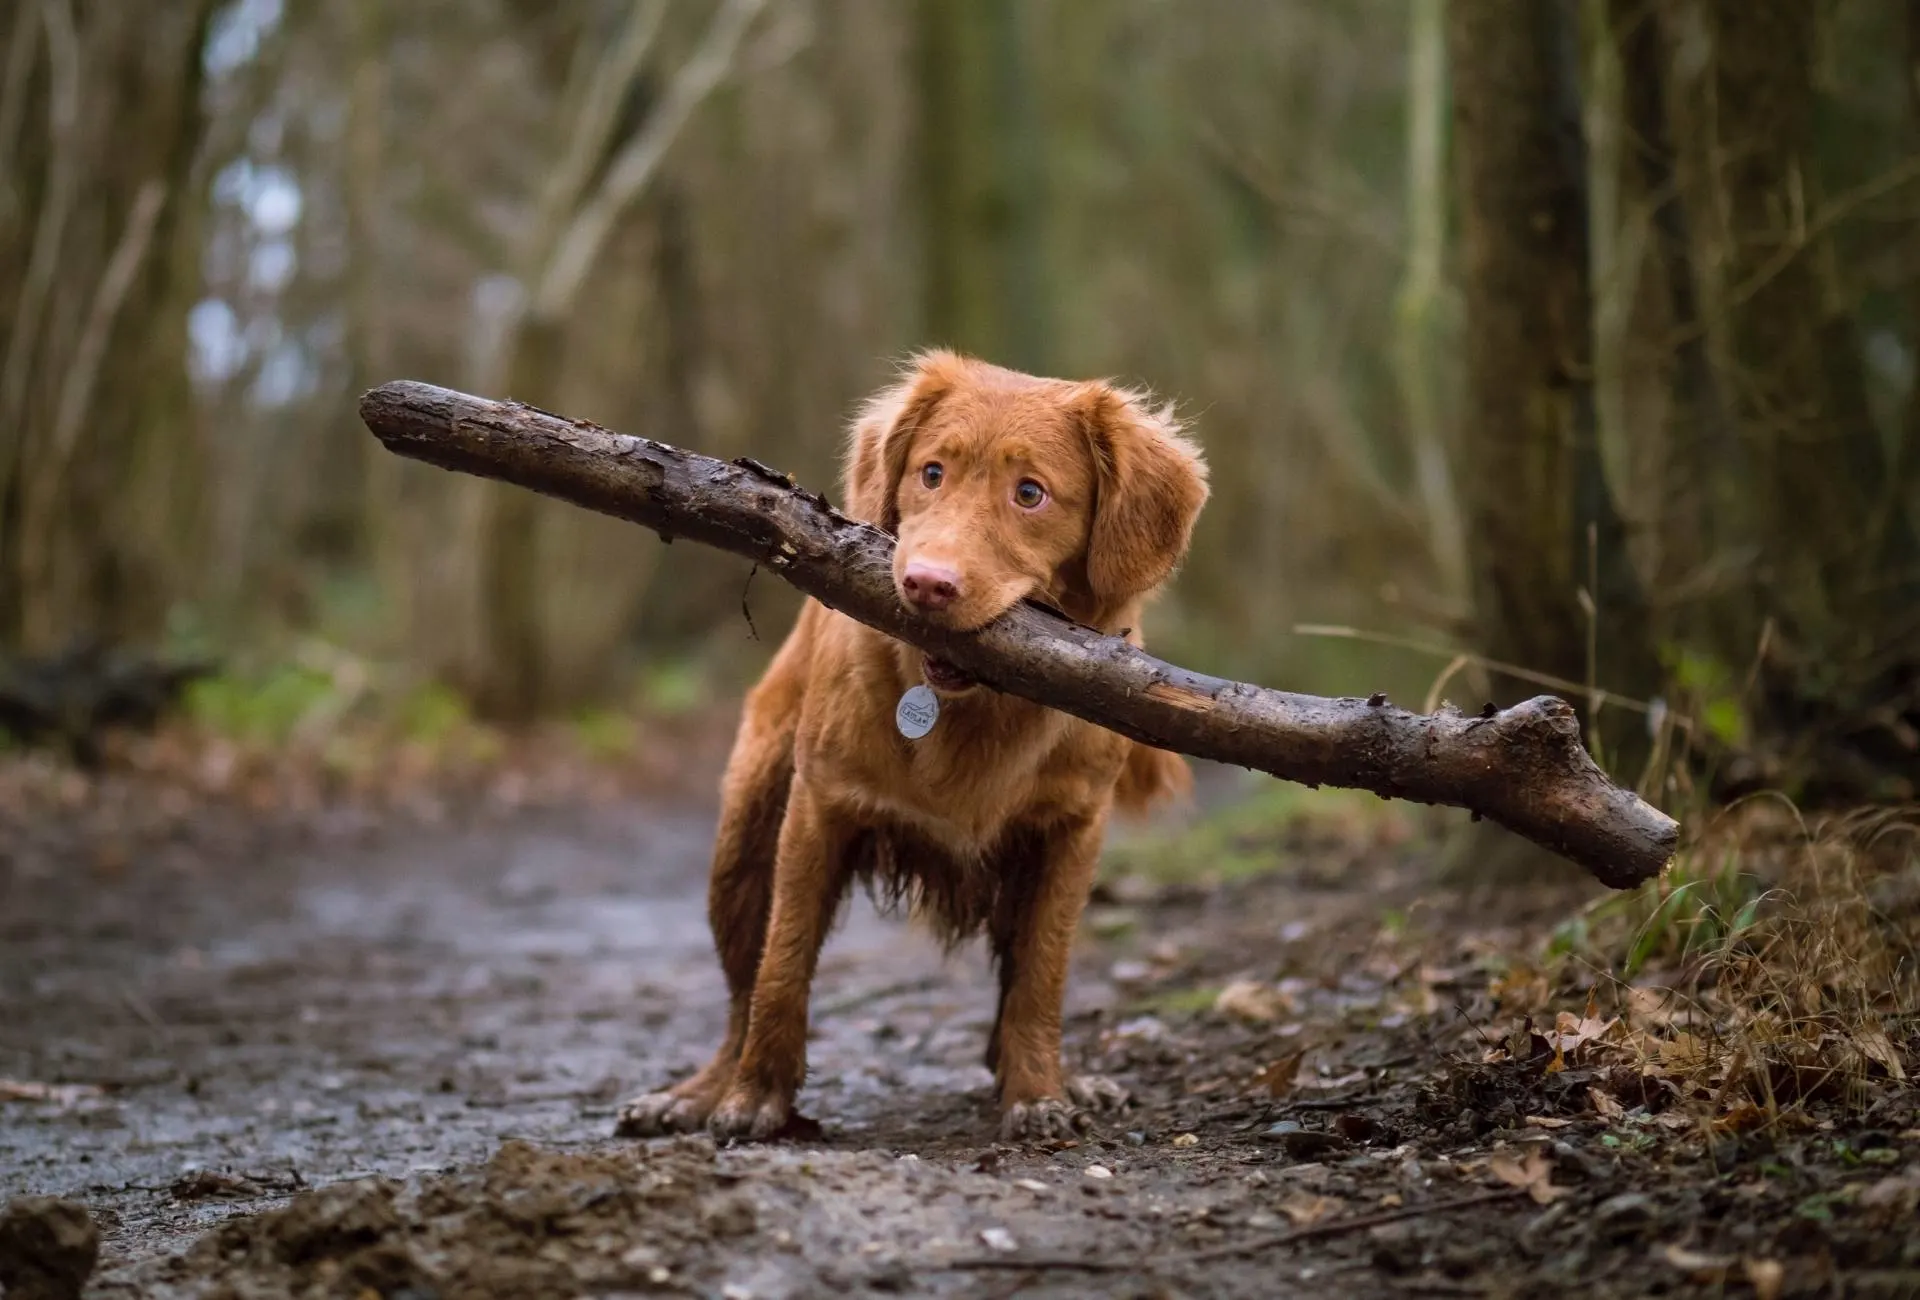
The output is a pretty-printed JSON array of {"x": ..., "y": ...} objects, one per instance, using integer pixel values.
[
  {"x": 1029, "y": 495},
  {"x": 931, "y": 474}
]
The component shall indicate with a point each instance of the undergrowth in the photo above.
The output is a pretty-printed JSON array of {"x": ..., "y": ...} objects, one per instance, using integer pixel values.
[{"x": 1777, "y": 962}]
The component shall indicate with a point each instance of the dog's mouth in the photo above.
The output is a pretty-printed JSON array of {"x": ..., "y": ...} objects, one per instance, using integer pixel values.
[{"x": 943, "y": 676}]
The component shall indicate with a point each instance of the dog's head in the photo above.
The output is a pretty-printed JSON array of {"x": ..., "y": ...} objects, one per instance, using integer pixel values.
[{"x": 1001, "y": 486}]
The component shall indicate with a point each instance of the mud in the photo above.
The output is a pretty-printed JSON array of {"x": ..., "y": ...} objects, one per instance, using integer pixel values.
[{"x": 387, "y": 1062}]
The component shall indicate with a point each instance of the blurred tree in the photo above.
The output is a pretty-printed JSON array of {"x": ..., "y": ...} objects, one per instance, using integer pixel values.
[
  {"x": 100, "y": 471},
  {"x": 1554, "y": 590},
  {"x": 1826, "y": 613},
  {"x": 984, "y": 183},
  {"x": 1416, "y": 309},
  {"x": 607, "y": 159}
]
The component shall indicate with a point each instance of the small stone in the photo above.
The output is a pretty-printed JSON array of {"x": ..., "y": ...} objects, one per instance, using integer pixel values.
[
  {"x": 998, "y": 1239},
  {"x": 1300, "y": 1142},
  {"x": 1098, "y": 1172}
]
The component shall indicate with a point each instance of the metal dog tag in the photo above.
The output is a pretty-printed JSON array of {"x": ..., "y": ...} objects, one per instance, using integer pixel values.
[{"x": 917, "y": 711}]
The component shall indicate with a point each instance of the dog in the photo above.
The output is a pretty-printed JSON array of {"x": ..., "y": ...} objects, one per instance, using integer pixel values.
[{"x": 998, "y": 486}]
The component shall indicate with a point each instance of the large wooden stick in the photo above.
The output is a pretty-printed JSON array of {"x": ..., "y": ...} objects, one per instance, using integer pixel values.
[{"x": 1523, "y": 767}]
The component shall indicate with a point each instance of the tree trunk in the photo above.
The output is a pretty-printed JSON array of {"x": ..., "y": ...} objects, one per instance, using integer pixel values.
[
  {"x": 607, "y": 162},
  {"x": 1416, "y": 324},
  {"x": 983, "y": 183},
  {"x": 1832, "y": 593},
  {"x": 1680, "y": 454},
  {"x": 1523, "y": 767},
  {"x": 1542, "y": 529},
  {"x": 100, "y": 122}
]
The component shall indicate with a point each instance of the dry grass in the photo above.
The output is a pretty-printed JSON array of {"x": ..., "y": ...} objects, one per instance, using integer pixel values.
[{"x": 1774, "y": 967}]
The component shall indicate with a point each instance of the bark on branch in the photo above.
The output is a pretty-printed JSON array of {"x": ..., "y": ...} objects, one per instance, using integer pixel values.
[{"x": 1524, "y": 767}]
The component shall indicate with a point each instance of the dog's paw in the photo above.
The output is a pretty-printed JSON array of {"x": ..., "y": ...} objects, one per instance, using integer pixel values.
[
  {"x": 1097, "y": 1093},
  {"x": 1043, "y": 1118},
  {"x": 750, "y": 1113},
  {"x": 656, "y": 1113}
]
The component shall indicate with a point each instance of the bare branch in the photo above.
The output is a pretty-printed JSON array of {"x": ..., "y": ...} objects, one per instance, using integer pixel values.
[
  {"x": 636, "y": 164},
  {"x": 63, "y": 120}
]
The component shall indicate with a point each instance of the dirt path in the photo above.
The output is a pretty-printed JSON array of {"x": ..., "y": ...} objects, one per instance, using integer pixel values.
[{"x": 377, "y": 1022}]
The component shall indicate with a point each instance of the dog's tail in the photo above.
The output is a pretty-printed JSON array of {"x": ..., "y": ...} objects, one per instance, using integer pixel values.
[{"x": 1152, "y": 777}]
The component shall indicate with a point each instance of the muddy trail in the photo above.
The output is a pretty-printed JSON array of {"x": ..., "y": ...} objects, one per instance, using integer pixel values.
[{"x": 388, "y": 1064}]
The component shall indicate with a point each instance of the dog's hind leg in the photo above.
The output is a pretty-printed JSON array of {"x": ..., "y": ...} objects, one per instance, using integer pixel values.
[{"x": 753, "y": 803}]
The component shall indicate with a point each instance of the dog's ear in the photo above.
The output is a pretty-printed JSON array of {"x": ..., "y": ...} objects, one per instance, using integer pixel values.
[
  {"x": 1150, "y": 483},
  {"x": 883, "y": 433}
]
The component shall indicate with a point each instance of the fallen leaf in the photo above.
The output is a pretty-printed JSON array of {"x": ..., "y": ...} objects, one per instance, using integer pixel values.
[
  {"x": 1605, "y": 1105},
  {"x": 1534, "y": 1174},
  {"x": 1335, "y": 1082},
  {"x": 1570, "y": 1033},
  {"x": 1548, "y": 1121},
  {"x": 1878, "y": 1047},
  {"x": 1765, "y": 1276},
  {"x": 1278, "y": 1077},
  {"x": 1700, "y": 1266},
  {"x": 1743, "y": 1118},
  {"x": 1186, "y": 1140},
  {"x": 1897, "y": 1192},
  {"x": 1521, "y": 989},
  {"x": 1392, "y": 1201},
  {"x": 1682, "y": 1052},
  {"x": 208, "y": 1184},
  {"x": 1303, "y": 1208},
  {"x": 1651, "y": 1008},
  {"x": 64, "y": 1094},
  {"x": 998, "y": 1239},
  {"x": 1250, "y": 1000}
]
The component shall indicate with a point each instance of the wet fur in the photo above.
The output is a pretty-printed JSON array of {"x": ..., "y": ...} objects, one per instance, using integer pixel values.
[{"x": 990, "y": 824}]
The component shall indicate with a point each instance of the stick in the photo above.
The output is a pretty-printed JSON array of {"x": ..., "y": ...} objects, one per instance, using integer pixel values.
[
  {"x": 1523, "y": 767},
  {"x": 1228, "y": 1250}
]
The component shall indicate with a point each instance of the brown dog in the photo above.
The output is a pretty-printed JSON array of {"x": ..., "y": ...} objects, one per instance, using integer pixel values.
[{"x": 999, "y": 486}]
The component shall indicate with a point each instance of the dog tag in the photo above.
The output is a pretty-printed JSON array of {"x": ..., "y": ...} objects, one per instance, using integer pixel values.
[{"x": 917, "y": 711}]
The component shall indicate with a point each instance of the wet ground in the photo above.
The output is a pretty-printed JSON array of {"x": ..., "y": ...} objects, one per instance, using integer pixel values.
[{"x": 386, "y": 1062}]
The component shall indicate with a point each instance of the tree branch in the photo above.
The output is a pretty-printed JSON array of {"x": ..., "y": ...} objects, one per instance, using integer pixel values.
[
  {"x": 632, "y": 170},
  {"x": 1522, "y": 767}
]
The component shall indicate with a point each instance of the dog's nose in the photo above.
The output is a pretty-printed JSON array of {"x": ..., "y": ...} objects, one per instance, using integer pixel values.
[{"x": 930, "y": 586}]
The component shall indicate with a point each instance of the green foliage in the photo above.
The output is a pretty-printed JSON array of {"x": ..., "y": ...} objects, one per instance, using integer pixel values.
[
  {"x": 1712, "y": 683},
  {"x": 1248, "y": 838},
  {"x": 671, "y": 687},
  {"x": 432, "y": 713},
  {"x": 265, "y": 707},
  {"x": 605, "y": 734},
  {"x": 1179, "y": 1002},
  {"x": 1699, "y": 907}
]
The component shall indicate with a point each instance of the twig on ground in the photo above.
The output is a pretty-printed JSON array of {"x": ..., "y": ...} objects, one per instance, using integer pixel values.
[{"x": 1227, "y": 1250}]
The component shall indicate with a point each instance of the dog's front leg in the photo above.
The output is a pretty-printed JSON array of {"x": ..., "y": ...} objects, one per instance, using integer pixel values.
[
  {"x": 1034, "y": 1101},
  {"x": 809, "y": 878}
]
